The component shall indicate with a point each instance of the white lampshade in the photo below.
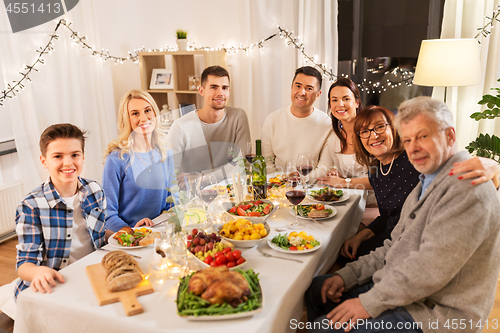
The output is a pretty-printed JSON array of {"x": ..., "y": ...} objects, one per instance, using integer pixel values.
[{"x": 448, "y": 63}]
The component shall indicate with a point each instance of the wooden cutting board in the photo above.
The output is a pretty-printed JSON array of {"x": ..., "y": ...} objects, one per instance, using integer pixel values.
[{"x": 128, "y": 298}]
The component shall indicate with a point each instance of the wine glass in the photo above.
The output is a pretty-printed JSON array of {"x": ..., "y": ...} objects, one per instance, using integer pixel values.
[
  {"x": 250, "y": 152},
  {"x": 291, "y": 169},
  {"x": 209, "y": 191},
  {"x": 295, "y": 196},
  {"x": 249, "y": 156},
  {"x": 232, "y": 154},
  {"x": 304, "y": 165}
]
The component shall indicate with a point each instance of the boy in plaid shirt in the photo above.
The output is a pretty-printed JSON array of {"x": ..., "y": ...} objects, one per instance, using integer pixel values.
[{"x": 62, "y": 220}]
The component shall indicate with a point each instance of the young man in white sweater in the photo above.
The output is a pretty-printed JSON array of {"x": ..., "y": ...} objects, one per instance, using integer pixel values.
[
  {"x": 299, "y": 128},
  {"x": 200, "y": 140}
]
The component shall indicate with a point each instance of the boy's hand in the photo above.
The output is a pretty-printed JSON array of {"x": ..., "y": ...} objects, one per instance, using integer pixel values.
[
  {"x": 145, "y": 221},
  {"x": 44, "y": 278}
]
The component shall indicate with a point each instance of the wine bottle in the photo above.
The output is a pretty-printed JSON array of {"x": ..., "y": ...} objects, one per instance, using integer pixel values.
[{"x": 259, "y": 179}]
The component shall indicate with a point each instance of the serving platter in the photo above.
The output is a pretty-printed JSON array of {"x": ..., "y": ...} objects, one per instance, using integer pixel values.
[{"x": 225, "y": 316}]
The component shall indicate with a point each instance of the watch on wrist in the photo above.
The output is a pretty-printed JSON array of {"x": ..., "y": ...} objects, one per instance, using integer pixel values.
[{"x": 347, "y": 182}]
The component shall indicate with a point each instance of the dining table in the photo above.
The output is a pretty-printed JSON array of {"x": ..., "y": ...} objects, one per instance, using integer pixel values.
[{"x": 72, "y": 306}]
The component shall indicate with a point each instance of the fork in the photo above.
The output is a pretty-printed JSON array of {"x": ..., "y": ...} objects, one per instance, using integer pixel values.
[{"x": 277, "y": 257}]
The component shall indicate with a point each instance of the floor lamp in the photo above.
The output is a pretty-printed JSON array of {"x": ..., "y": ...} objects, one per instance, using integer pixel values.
[{"x": 448, "y": 63}]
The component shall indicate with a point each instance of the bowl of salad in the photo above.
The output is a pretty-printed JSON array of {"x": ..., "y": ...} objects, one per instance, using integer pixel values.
[{"x": 251, "y": 208}]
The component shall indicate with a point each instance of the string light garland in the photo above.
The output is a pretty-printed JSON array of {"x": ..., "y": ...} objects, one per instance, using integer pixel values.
[
  {"x": 489, "y": 24},
  {"x": 402, "y": 76}
]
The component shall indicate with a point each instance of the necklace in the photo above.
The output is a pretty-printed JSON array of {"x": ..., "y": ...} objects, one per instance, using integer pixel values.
[
  {"x": 145, "y": 162},
  {"x": 390, "y": 167}
]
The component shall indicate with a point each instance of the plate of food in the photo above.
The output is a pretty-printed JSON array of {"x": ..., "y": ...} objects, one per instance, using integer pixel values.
[
  {"x": 210, "y": 250},
  {"x": 316, "y": 211},
  {"x": 243, "y": 232},
  {"x": 133, "y": 238},
  {"x": 296, "y": 242},
  {"x": 255, "y": 208},
  {"x": 229, "y": 295},
  {"x": 327, "y": 195}
]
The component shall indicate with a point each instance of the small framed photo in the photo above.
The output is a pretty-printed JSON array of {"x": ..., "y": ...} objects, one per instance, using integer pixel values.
[
  {"x": 194, "y": 82},
  {"x": 162, "y": 79}
]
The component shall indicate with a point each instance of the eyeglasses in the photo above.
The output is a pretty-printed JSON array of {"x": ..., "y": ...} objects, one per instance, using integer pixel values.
[{"x": 379, "y": 129}]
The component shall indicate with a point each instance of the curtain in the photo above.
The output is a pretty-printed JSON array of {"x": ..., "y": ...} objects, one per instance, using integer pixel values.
[
  {"x": 461, "y": 20},
  {"x": 71, "y": 87}
]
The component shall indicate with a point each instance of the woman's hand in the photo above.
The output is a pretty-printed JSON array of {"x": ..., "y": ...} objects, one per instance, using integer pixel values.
[
  {"x": 350, "y": 247},
  {"x": 479, "y": 168},
  {"x": 333, "y": 172},
  {"x": 334, "y": 181},
  {"x": 144, "y": 222}
]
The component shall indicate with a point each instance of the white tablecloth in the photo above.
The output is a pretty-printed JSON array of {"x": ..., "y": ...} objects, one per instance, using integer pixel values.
[{"x": 72, "y": 306}]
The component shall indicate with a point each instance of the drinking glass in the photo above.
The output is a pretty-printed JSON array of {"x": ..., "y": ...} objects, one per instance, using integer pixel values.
[
  {"x": 304, "y": 165},
  {"x": 250, "y": 152},
  {"x": 295, "y": 196},
  {"x": 291, "y": 169},
  {"x": 232, "y": 154},
  {"x": 162, "y": 253},
  {"x": 192, "y": 181},
  {"x": 249, "y": 156},
  {"x": 209, "y": 191}
]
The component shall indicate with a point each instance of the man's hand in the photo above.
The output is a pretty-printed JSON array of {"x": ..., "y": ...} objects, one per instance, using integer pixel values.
[
  {"x": 350, "y": 310},
  {"x": 43, "y": 278},
  {"x": 333, "y": 288},
  {"x": 145, "y": 221},
  {"x": 479, "y": 168}
]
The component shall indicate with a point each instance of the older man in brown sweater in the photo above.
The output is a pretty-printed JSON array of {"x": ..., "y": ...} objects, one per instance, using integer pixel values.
[{"x": 439, "y": 270}]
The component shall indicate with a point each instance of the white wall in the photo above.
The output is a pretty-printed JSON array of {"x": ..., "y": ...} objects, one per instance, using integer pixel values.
[{"x": 260, "y": 81}]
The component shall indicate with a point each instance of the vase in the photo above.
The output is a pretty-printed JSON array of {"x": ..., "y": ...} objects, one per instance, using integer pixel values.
[{"x": 182, "y": 44}]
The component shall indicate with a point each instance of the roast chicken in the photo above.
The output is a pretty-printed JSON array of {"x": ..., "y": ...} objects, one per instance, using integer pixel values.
[{"x": 219, "y": 285}]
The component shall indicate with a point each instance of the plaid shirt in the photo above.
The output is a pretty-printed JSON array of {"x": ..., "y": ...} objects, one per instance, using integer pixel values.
[{"x": 44, "y": 225}]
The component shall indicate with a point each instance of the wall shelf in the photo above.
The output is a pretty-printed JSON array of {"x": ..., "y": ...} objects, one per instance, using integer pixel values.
[{"x": 183, "y": 66}]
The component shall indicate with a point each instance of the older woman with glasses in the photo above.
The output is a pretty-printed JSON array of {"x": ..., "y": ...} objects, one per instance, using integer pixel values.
[{"x": 391, "y": 175}]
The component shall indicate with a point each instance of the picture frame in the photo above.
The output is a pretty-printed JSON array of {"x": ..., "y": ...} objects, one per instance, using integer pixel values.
[
  {"x": 194, "y": 82},
  {"x": 162, "y": 78}
]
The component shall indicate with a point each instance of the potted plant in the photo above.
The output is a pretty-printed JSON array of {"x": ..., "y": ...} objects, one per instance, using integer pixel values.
[
  {"x": 486, "y": 145},
  {"x": 181, "y": 39}
]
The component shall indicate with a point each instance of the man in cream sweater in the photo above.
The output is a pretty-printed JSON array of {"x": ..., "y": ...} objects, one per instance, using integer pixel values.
[
  {"x": 201, "y": 140},
  {"x": 439, "y": 270},
  {"x": 299, "y": 128}
]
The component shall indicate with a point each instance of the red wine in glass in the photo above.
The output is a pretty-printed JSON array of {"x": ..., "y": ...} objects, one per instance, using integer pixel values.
[
  {"x": 294, "y": 181},
  {"x": 295, "y": 197},
  {"x": 305, "y": 169},
  {"x": 208, "y": 195},
  {"x": 250, "y": 157}
]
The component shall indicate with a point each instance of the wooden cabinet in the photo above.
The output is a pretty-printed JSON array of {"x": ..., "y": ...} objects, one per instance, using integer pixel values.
[{"x": 184, "y": 64}]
